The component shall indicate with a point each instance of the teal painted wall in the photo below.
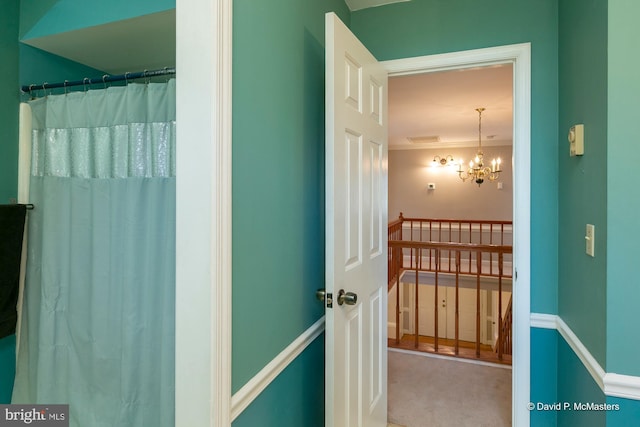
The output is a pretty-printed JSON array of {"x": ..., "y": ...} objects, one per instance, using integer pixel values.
[
  {"x": 544, "y": 374},
  {"x": 38, "y": 66},
  {"x": 295, "y": 398},
  {"x": 423, "y": 27},
  {"x": 8, "y": 370},
  {"x": 9, "y": 99},
  {"x": 575, "y": 385},
  {"x": 42, "y": 18},
  {"x": 278, "y": 176},
  {"x": 582, "y": 184},
  {"x": 627, "y": 415},
  {"x": 562, "y": 377},
  {"x": 623, "y": 204}
]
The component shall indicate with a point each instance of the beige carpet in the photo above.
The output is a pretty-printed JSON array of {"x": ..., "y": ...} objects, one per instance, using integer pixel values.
[{"x": 434, "y": 392}]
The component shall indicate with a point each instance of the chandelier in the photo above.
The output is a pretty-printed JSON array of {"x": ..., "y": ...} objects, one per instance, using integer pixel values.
[{"x": 477, "y": 171}]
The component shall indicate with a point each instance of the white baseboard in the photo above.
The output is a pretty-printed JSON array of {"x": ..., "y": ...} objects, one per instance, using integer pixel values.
[
  {"x": 450, "y": 358},
  {"x": 611, "y": 384},
  {"x": 256, "y": 385}
]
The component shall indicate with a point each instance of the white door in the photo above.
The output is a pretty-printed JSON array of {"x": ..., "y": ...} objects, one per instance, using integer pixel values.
[
  {"x": 426, "y": 302},
  {"x": 356, "y": 231},
  {"x": 447, "y": 312}
]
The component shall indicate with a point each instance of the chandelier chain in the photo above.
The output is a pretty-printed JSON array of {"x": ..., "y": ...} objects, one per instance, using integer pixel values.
[{"x": 480, "y": 110}]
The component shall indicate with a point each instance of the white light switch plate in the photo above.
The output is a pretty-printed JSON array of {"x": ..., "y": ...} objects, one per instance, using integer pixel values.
[
  {"x": 590, "y": 239},
  {"x": 576, "y": 140}
]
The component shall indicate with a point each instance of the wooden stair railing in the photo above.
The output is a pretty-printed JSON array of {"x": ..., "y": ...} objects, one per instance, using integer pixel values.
[
  {"x": 439, "y": 262},
  {"x": 505, "y": 334},
  {"x": 473, "y": 232},
  {"x": 394, "y": 254}
]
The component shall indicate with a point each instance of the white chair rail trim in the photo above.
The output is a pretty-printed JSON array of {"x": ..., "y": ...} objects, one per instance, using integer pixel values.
[
  {"x": 611, "y": 384},
  {"x": 256, "y": 385}
]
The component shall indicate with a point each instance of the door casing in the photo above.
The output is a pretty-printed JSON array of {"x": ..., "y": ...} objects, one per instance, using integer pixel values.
[
  {"x": 203, "y": 212},
  {"x": 520, "y": 56}
]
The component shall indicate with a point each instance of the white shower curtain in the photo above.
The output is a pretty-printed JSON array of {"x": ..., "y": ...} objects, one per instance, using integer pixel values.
[{"x": 97, "y": 326}]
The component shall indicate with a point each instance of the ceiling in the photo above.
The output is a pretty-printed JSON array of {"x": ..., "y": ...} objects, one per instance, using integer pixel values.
[
  {"x": 440, "y": 108},
  {"x": 146, "y": 42},
  {"x": 364, "y": 4}
]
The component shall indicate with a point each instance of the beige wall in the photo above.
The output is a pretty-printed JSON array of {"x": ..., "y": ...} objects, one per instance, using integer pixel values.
[{"x": 410, "y": 171}]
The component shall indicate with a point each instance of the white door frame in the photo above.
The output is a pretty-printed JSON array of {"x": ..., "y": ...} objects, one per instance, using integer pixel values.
[
  {"x": 520, "y": 56},
  {"x": 203, "y": 213}
]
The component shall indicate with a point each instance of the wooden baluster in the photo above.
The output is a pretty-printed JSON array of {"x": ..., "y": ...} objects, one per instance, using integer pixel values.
[
  {"x": 439, "y": 254},
  {"x": 398, "y": 311},
  {"x": 411, "y": 232},
  {"x": 449, "y": 251},
  {"x": 430, "y": 239},
  {"x": 500, "y": 337},
  {"x": 435, "y": 330},
  {"x": 470, "y": 241},
  {"x": 481, "y": 255},
  {"x": 491, "y": 253},
  {"x": 389, "y": 265},
  {"x": 457, "y": 313},
  {"x": 478, "y": 260},
  {"x": 411, "y": 250},
  {"x": 417, "y": 317}
]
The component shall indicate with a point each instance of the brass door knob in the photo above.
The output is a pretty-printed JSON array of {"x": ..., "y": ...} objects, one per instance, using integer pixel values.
[{"x": 348, "y": 298}]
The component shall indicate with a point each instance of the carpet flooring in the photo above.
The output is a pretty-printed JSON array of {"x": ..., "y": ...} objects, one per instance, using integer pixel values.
[{"x": 434, "y": 392}]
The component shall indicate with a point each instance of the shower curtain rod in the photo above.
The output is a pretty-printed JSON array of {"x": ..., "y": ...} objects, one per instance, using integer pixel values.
[{"x": 104, "y": 79}]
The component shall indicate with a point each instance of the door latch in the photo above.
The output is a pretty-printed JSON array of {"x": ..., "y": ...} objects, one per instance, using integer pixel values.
[{"x": 322, "y": 295}]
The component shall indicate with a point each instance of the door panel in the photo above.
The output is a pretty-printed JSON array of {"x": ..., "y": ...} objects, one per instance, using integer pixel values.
[
  {"x": 356, "y": 220},
  {"x": 426, "y": 305}
]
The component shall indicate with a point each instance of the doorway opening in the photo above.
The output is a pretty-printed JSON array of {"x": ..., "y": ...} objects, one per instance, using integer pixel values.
[
  {"x": 445, "y": 301},
  {"x": 433, "y": 126},
  {"x": 443, "y": 192}
]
